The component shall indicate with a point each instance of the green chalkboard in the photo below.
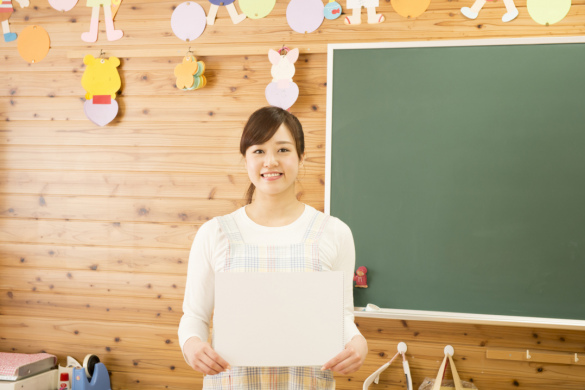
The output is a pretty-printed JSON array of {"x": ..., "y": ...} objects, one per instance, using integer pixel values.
[{"x": 461, "y": 172}]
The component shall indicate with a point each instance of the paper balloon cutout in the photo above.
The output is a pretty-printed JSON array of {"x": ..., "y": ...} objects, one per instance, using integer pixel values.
[
  {"x": 547, "y": 12},
  {"x": 282, "y": 91},
  {"x": 188, "y": 21},
  {"x": 256, "y": 9},
  {"x": 33, "y": 44},
  {"x": 101, "y": 82},
  {"x": 63, "y": 5},
  {"x": 410, "y": 8},
  {"x": 305, "y": 16},
  {"x": 472, "y": 12},
  {"x": 332, "y": 10}
]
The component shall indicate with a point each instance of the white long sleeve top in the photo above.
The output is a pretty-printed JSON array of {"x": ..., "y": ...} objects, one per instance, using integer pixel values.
[{"x": 208, "y": 254}]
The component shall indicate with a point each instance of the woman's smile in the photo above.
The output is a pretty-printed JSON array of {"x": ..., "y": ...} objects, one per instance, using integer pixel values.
[{"x": 271, "y": 176}]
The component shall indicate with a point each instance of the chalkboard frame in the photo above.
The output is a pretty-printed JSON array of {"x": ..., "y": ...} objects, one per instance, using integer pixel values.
[{"x": 555, "y": 323}]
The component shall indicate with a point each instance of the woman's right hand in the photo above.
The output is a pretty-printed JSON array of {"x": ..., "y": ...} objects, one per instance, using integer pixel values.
[{"x": 201, "y": 357}]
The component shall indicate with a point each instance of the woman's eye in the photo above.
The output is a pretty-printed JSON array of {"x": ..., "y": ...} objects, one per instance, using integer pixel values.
[
  {"x": 258, "y": 151},
  {"x": 284, "y": 150}
]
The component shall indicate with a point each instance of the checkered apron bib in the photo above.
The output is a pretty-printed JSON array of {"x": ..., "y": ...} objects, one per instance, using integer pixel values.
[{"x": 300, "y": 257}]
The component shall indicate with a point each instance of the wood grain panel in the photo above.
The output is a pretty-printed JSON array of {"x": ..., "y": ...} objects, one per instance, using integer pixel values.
[
  {"x": 148, "y": 108},
  {"x": 94, "y": 258},
  {"x": 85, "y": 133},
  {"x": 115, "y": 308},
  {"x": 114, "y": 234},
  {"x": 114, "y": 208},
  {"x": 94, "y": 283},
  {"x": 93, "y": 336}
]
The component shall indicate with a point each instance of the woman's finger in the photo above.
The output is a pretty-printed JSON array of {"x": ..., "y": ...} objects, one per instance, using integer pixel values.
[
  {"x": 216, "y": 358},
  {"x": 341, "y": 356},
  {"x": 208, "y": 366},
  {"x": 351, "y": 369}
]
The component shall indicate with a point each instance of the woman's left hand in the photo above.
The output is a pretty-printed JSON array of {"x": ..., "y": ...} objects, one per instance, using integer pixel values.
[{"x": 351, "y": 358}]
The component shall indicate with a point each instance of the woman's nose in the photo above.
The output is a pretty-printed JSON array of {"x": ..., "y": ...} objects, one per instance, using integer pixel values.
[{"x": 270, "y": 160}]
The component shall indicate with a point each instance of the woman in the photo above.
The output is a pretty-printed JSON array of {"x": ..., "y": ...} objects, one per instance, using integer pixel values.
[{"x": 273, "y": 147}]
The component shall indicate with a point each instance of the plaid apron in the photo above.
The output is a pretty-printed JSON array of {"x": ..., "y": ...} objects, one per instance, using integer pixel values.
[{"x": 299, "y": 257}]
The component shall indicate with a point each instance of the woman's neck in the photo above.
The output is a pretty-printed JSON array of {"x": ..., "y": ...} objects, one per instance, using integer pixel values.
[{"x": 274, "y": 212}]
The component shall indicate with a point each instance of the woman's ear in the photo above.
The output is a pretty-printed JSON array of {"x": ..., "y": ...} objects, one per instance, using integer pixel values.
[{"x": 302, "y": 161}]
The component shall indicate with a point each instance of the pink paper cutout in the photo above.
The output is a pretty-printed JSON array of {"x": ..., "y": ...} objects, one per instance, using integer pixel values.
[
  {"x": 100, "y": 114},
  {"x": 305, "y": 16},
  {"x": 188, "y": 21},
  {"x": 282, "y": 97},
  {"x": 63, "y": 5}
]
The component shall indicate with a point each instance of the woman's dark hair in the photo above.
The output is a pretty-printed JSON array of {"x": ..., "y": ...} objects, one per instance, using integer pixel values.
[{"x": 262, "y": 125}]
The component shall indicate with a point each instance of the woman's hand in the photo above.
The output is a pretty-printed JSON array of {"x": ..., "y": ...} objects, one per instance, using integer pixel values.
[
  {"x": 351, "y": 358},
  {"x": 201, "y": 357}
]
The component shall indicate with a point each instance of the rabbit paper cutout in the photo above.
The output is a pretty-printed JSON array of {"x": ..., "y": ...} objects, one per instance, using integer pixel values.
[{"x": 282, "y": 91}]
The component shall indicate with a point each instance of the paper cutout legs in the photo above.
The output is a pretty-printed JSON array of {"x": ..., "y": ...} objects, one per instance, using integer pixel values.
[
  {"x": 231, "y": 8},
  {"x": 472, "y": 12},
  {"x": 355, "y": 18},
  {"x": 111, "y": 33},
  {"x": 7, "y": 9},
  {"x": 8, "y": 36}
]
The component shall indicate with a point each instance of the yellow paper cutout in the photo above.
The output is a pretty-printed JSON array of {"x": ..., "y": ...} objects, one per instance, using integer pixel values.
[
  {"x": 256, "y": 9},
  {"x": 33, "y": 44},
  {"x": 101, "y": 76},
  {"x": 548, "y": 12},
  {"x": 185, "y": 71},
  {"x": 410, "y": 8}
]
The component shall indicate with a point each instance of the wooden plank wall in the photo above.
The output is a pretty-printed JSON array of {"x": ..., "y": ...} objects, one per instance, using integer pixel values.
[{"x": 96, "y": 223}]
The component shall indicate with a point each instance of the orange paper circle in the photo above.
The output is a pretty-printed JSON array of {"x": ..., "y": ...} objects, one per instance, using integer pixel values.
[
  {"x": 410, "y": 8},
  {"x": 33, "y": 44}
]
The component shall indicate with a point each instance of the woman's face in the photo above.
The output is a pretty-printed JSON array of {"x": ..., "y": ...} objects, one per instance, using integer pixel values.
[{"x": 273, "y": 166}]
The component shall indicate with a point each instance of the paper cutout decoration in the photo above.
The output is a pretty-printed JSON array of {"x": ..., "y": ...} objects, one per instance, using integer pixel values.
[
  {"x": 305, "y": 16},
  {"x": 188, "y": 21},
  {"x": 256, "y": 9},
  {"x": 63, "y": 5},
  {"x": 332, "y": 10},
  {"x": 231, "y": 8},
  {"x": 282, "y": 91},
  {"x": 33, "y": 44},
  {"x": 189, "y": 74},
  {"x": 6, "y": 10},
  {"x": 511, "y": 10},
  {"x": 369, "y": 5},
  {"x": 111, "y": 33},
  {"x": 547, "y": 12},
  {"x": 101, "y": 81},
  {"x": 410, "y": 8},
  {"x": 115, "y": 6}
]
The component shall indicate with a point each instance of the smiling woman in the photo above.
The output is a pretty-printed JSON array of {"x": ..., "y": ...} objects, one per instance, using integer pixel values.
[
  {"x": 269, "y": 130},
  {"x": 274, "y": 232}
]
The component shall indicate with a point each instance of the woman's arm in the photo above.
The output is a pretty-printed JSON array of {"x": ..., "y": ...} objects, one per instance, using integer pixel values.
[
  {"x": 356, "y": 348},
  {"x": 198, "y": 303}
]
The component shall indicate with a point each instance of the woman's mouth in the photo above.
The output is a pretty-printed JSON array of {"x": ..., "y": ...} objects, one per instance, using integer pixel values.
[{"x": 271, "y": 176}]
